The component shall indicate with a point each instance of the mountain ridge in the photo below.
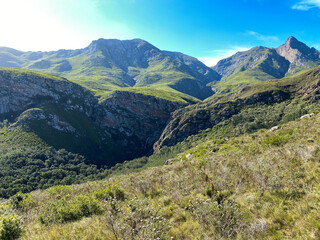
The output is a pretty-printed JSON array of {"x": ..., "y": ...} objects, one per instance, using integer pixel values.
[
  {"x": 109, "y": 64},
  {"x": 262, "y": 63}
]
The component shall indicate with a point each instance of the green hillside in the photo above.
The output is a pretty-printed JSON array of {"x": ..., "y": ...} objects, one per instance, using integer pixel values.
[
  {"x": 259, "y": 186},
  {"x": 106, "y": 65}
]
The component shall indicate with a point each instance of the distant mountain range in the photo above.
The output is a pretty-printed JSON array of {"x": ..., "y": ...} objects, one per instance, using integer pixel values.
[
  {"x": 262, "y": 63},
  {"x": 118, "y": 107},
  {"x": 107, "y": 65}
]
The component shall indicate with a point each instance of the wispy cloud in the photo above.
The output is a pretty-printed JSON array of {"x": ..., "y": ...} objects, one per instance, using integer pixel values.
[
  {"x": 215, "y": 56},
  {"x": 262, "y": 37},
  {"x": 306, "y": 5}
]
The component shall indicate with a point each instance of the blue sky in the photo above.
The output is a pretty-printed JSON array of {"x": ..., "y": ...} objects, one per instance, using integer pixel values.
[{"x": 207, "y": 29}]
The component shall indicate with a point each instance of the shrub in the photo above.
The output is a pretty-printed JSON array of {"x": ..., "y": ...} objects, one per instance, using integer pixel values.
[
  {"x": 21, "y": 200},
  {"x": 10, "y": 227},
  {"x": 59, "y": 190},
  {"x": 279, "y": 139},
  {"x": 225, "y": 218},
  {"x": 66, "y": 210},
  {"x": 113, "y": 191}
]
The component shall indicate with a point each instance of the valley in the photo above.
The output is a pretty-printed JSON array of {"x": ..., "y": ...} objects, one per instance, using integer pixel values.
[{"x": 120, "y": 138}]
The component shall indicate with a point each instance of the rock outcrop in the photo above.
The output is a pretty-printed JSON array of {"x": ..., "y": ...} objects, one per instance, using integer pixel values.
[
  {"x": 195, "y": 118},
  {"x": 299, "y": 55},
  {"x": 131, "y": 121},
  {"x": 20, "y": 90},
  {"x": 135, "y": 120}
]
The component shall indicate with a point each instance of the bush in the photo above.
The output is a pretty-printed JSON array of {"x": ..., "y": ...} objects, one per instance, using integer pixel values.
[
  {"x": 279, "y": 139},
  {"x": 113, "y": 191},
  {"x": 10, "y": 227},
  {"x": 59, "y": 190},
  {"x": 225, "y": 218},
  {"x": 21, "y": 200},
  {"x": 66, "y": 210}
]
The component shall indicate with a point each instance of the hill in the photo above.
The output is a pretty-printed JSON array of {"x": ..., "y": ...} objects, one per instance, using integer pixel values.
[
  {"x": 110, "y": 64},
  {"x": 259, "y": 186},
  {"x": 260, "y": 105},
  {"x": 261, "y": 64},
  {"x": 45, "y": 119}
]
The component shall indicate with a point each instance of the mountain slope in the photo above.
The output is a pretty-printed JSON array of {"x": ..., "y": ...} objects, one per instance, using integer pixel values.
[
  {"x": 107, "y": 65},
  {"x": 260, "y": 105},
  {"x": 65, "y": 115},
  {"x": 249, "y": 187},
  {"x": 261, "y": 63}
]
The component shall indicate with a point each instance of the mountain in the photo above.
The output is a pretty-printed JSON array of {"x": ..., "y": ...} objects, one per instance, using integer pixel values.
[
  {"x": 46, "y": 120},
  {"x": 242, "y": 164},
  {"x": 107, "y": 65},
  {"x": 261, "y": 63},
  {"x": 65, "y": 115},
  {"x": 260, "y": 105},
  {"x": 299, "y": 55},
  {"x": 248, "y": 187}
]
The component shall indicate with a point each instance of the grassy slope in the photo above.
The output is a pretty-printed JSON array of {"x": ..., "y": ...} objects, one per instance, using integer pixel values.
[
  {"x": 290, "y": 84},
  {"x": 265, "y": 185},
  {"x": 18, "y": 71},
  {"x": 161, "y": 92},
  {"x": 103, "y": 80},
  {"x": 241, "y": 79}
]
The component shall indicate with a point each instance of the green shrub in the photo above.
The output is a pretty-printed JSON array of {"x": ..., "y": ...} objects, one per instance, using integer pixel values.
[
  {"x": 279, "y": 139},
  {"x": 10, "y": 227},
  {"x": 66, "y": 210},
  {"x": 59, "y": 190},
  {"x": 224, "y": 218},
  {"x": 21, "y": 200},
  {"x": 113, "y": 191}
]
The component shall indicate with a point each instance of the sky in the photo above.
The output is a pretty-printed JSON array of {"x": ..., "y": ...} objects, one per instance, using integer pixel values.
[{"x": 207, "y": 29}]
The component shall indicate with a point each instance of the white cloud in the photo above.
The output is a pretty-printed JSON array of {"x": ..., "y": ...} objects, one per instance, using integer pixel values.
[
  {"x": 263, "y": 38},
  {"x": 216, "y": 55},
  {"x": 305, "y": 5}
]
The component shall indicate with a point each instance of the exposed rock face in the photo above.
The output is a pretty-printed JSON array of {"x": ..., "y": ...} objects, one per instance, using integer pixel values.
[
  {"x": 290, "y": 57},
  {"x": 192, "y": 119},
  {"x": 38, "y": 114},
  {"x": 299, "y": 54},
  {"x": 20, "y": 91},
  {"x": 132, "y": 121},
  {"x": 135, "y": 120}
]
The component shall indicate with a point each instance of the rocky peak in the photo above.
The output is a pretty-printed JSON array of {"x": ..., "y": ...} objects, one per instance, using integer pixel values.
[
  {"x": 298, "y": 54},
  {"x": 122, "y": 46},
  {"x": 291, "y": 44}
]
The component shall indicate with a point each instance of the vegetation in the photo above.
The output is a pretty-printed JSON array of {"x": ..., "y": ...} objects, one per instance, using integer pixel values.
[
  {"x": 10, "y": 227},
  {"x": 246, "y": 187},
  {"x": 29, "y": 168},
  {"x": 164, "y": 93},
  {"x": 20, "y": 71}
]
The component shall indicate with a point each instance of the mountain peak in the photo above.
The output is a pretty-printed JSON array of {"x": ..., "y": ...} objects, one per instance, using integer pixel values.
[
  {"x": 294, "y": 43},
  {"x": 298, "y": 54},
  {"x": 291, "y": 40}
]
